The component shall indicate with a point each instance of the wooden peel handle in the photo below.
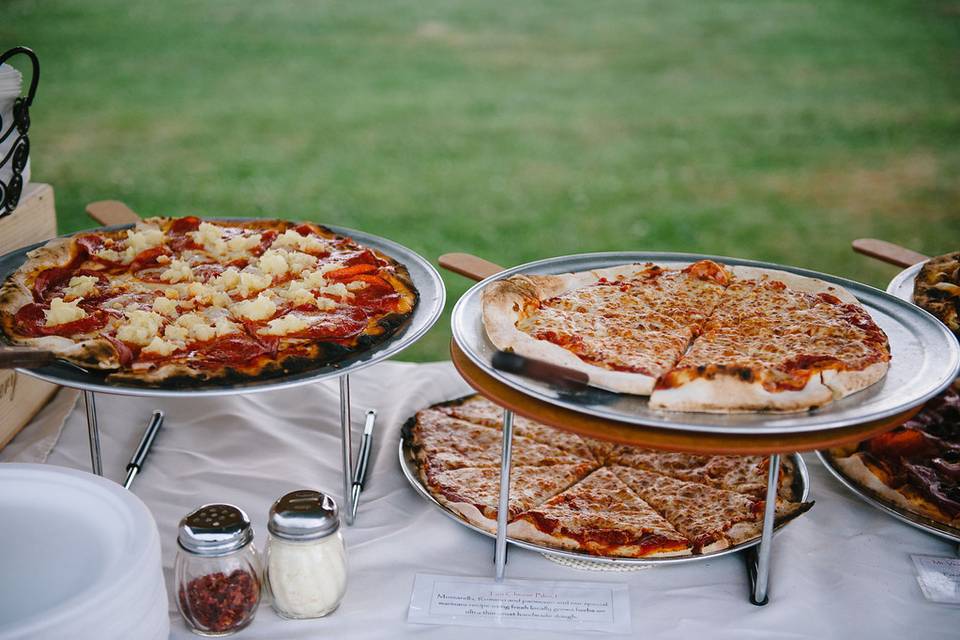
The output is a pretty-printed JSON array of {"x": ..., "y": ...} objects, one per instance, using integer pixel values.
[
  {"x": 469, "y": 265},
  {"x": 112, "y": 212},
  {"x": 888, "y": 252},
  {"x": 13, "y": 357}
]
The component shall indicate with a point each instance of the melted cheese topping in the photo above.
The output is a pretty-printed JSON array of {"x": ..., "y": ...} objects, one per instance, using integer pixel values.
[
  {"x": 140, "y": 328},
  {"x": 260, "y": 308},
  {"x": 642, "y": 325},
  {"x": 79, "y": 286},
  {"x": 701, "y": 513},
  {"x": 197, "y": 326},
  {"x": 286, "y": 325},
  {"x": 765, "y": 332},
  {"x": 251, "y": 282},
  {"x": 159, "y": 346},
  {"x": 165, "y": 306},
  {"x": 61, "y": 312},
  {"x": 274, "y": 263},
  {"x": 144, "y": 238},
  {"x": 292, "y": 240},
  {"x": 178, "y": 271}
]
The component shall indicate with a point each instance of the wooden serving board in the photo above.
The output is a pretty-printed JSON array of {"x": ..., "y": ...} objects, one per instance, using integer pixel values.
[{"x": 34, "y": 220}]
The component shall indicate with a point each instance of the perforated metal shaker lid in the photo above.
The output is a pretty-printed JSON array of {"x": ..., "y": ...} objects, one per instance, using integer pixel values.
[
  {"x": 214, "y": 530},
  {"x": 304, "y": 515}
]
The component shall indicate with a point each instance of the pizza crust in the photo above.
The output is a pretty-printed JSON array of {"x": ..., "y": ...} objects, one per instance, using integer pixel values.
[
  {"x": 728, "y": 394},
  {"x": 521, "y": 529},
  {"x": 804, "y": 284}
]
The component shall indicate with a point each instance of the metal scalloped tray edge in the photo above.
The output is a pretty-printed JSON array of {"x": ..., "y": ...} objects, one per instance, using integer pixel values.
[
  {"x": 408, "y": 466},
  {"x": 915, "y": 337},
  {"x": 913, "y": 519},
  {"x": 432, "y": 296}
]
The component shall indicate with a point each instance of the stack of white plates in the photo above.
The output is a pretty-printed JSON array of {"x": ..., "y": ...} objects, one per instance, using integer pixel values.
[
  {"x": 79, "y": 558},
  {"x": 11, "y": 82}
]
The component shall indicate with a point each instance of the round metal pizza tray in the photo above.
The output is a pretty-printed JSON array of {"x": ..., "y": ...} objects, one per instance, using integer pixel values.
[
  {"x": 914, "y": 520},
  {"x": 902, "y": 284},
  {"x": 409, "y": 468},
  {"x": 925, "y": 358},
  {"x": 429, "y": 307}
]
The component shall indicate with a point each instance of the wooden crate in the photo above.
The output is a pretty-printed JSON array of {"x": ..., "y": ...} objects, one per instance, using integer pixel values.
[{"x": 34, "y": 220}]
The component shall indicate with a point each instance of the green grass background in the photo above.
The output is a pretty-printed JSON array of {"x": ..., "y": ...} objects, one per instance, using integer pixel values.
[{"x": 768, "y": 129}]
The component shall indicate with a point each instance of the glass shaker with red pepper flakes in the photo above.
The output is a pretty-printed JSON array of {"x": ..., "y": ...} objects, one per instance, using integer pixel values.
[{"x": 217, "y": 570}]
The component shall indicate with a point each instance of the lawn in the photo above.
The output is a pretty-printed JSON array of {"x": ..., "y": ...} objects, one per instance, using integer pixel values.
[{"x": 515, "y": 130}]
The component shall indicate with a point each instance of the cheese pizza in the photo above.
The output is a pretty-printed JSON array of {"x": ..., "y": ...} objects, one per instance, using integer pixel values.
[{"x": 706, "y": 337}]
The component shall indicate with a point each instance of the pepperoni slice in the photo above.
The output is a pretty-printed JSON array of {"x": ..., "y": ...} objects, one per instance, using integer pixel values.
[
  {"x": 49, "y": 279},
  {"x": 31, "y": 320},
  {"x": 237, "y": 348},
  {"x": 266, "y": 239},
  {"x": 207, "y": 272},
  {"x": 364, "y": 257},
  {"x": 185, "y": 225},
  {"x": 147, "y": 259},
  {"x": 90, "y": 244},
  {"x": 350, "y": 273}
]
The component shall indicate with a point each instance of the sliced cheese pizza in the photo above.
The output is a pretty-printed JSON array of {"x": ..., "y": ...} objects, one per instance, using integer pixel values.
[
  {"x": 601, "y": 515},
  {"x": 713, "y": 519},
  {"x": 705, "y": 337},
  {"x": 474, "y": 492}
]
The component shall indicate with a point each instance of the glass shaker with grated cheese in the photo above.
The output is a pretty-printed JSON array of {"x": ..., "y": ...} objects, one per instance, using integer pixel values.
[{"x": 306, "y": 566}]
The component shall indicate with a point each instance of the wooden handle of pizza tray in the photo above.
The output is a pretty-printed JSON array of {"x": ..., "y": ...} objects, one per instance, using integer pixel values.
[
  {"x": 13, "y": 357},
  {"x": 112, "y": 212},
  {"x": 888, "y": 252},
  {"x": 469, "y": 265}
]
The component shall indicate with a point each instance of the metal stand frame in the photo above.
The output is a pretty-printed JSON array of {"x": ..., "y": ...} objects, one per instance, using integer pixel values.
[
  {"x": 350, "y": 500},
  {"x": 757, "y": 558}
]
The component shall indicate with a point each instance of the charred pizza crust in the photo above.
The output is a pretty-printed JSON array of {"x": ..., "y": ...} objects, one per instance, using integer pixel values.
[
  {"x": 585, "y": 496},
  {"x": 94, "y": 343}
]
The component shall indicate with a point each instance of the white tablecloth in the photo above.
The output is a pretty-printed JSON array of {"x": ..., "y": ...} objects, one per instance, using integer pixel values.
[{"x": 841, "y": 570}]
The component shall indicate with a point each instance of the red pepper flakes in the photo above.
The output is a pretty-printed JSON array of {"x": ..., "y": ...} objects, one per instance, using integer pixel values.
[{"x": 218, "y": 602}]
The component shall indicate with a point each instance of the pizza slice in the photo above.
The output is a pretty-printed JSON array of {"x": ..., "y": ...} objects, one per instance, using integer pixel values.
[
  {"x": 713, "y": 519},
  {"x": 742, "y": 474},
  {"x": 440, "y": 442},
  {"x": 625, "y": 326},
  {"x": 474, "y": 492},
  {"x": 479, "y": 410},
  {"x": 600, "y": 515},
  {"x": 776, "y": 342}
]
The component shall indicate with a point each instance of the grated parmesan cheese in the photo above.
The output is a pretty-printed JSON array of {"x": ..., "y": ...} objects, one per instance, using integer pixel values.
[
  {"x": 274, "y": 262},
  {"x": 165, "y": 306},
  {"x": 144, "y": 238}
]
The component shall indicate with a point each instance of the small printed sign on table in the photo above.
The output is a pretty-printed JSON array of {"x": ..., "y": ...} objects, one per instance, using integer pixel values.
[
  {"x": 520, "y": 604},
  {"x": 939, "y": 578}
]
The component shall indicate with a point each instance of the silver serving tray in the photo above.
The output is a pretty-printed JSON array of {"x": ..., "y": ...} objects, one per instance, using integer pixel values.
[
  {"x": 425, "y": 315},
  {"x": 408, "y": 466},
  {"x": 914, "y": 520},
  {"x": 902, "y": 284},
  {"x": 925, "y": 358}
]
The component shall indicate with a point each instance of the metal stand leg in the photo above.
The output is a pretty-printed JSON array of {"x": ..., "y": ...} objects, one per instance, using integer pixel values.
[
  {"x": 347, "y": 447},
  {"x": 93, "y": 432},
  {"x": 758, "y": 558},
  {"x": 500, "y": 553}
]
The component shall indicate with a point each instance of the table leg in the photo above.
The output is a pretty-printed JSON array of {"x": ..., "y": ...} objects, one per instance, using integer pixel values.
[
  {"x": 93, "y": 432},
  {"x": 758, "y": 558},
  {"x": 347, "y": 449},
  {"x": 500, "y": 553}
]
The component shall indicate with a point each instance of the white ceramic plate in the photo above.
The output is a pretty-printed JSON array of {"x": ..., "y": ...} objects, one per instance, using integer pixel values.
[{"x": 77, "y": 550}]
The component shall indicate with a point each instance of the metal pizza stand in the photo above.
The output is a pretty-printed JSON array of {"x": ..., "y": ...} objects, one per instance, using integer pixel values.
[
  {"x": 432, "y": 295},
  {"x": 925, "y": 359}
]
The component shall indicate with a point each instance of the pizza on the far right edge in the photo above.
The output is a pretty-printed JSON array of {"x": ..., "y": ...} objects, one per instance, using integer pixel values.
[{"x": 706, "y": 337}]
